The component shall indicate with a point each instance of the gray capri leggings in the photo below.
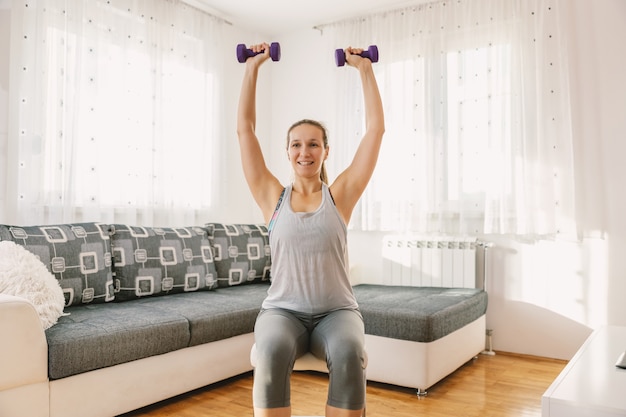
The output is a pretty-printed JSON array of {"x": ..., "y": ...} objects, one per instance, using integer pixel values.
[{"x": 281, "y": 336}]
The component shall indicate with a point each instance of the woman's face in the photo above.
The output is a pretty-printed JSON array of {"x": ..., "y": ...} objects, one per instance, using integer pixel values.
[{"x": 306, "y": 150}]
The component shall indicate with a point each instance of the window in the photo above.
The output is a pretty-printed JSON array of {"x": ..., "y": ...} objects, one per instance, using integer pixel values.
[
  {"x": 478, "y": 131},
  {"x": 129, "y": 105}
]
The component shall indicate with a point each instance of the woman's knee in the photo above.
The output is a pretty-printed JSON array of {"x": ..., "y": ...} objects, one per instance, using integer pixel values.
[
  {"x": 341, "y": 338},
  {"x": 346, "y": 363}
]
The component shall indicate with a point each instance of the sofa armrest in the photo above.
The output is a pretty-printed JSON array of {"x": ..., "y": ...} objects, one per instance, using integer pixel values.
[{"x": 23, "y": 345}]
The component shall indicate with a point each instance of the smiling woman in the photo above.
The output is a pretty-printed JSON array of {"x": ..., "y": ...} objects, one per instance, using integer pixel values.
[{"x": 310, "y": 305}]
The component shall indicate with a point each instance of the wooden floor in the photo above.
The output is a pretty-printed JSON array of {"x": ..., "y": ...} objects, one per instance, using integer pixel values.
[{"x": 503, "y": 385}]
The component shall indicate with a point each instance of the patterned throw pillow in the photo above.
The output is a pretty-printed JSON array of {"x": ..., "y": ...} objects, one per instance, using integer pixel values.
[
  {"x": 78, "y": 255},
  {"x": 150, "y": 261},
  {"x": 241, "y": 253}
]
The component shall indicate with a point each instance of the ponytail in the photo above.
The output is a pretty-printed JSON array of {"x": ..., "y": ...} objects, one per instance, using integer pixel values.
[{"x": 323, "y": 174}]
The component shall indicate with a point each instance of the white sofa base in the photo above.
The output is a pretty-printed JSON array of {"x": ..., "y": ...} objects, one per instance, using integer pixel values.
[
  {"x": 118, "y": 389},
  {"x": 23, "y": 360},
  {"x": 26, "y": 400},
  {"x": 421, "y": 365}
]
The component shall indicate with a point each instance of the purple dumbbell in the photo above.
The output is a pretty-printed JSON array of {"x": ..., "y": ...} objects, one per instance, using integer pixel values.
[
  {"x": 371, "y": 54},
  {"x": 244, "y": 53}
]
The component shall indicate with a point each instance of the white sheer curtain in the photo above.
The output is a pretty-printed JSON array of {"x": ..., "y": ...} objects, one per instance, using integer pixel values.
[
  {"x": 115, "y": 105},
  {"x": 478, "y": 136}
]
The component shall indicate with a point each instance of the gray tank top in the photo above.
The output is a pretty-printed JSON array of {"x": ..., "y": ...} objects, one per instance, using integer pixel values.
[{"x": 310, "y": 270}]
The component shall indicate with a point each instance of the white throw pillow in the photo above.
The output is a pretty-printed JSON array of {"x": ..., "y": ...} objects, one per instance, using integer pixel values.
[{"x": 22, "y": 274}]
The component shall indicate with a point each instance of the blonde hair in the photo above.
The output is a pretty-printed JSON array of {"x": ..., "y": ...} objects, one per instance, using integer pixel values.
[{"x": 320, "y": 126}]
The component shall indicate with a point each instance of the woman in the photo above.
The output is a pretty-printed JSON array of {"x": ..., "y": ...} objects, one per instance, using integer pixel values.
[{"x": 310, "y": 305}]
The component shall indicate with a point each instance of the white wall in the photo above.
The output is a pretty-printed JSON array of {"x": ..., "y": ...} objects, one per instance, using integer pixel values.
[
  {"x": 238, "y": 204},
  {"x": 298, "y": 91},
  {"x": 544, "y": 298}
]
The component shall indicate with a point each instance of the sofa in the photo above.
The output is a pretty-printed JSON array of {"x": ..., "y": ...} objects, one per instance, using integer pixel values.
[{"x": 149, "y": 313}]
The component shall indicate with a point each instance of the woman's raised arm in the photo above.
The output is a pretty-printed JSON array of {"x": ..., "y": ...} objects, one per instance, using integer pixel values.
[
  {"x": 350, "y": 184},
  {"x": 264, "y": 186}
]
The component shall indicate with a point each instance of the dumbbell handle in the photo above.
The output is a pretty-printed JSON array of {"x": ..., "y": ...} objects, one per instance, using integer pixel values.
[
  {"x": 371, "y": 53},
  {"x": 244, "y": 53}
]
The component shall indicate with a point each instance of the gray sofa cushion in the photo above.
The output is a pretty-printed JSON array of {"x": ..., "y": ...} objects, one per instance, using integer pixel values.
[
  {"x": 241, "y": 252},
  {"x": 97, "y": 336},
  {"x": 79, "y": 256},
  {"x": 101, "y": 335},
  {"x": 218, "y": 314},
  {"x": 420, "y": 314},
  {"x": 149, "y": 261}
]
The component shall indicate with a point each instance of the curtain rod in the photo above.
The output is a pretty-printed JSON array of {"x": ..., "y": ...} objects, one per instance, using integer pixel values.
[
  {"x": 373, "y": 12},
  {"x": 202, "y": 6}
]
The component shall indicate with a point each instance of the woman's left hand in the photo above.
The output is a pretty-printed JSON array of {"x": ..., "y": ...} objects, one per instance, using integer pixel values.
[{"x": 354, "y": 58}]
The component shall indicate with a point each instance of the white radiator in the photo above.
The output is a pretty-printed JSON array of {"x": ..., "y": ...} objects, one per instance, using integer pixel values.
[{"x": 428, "y": 261}]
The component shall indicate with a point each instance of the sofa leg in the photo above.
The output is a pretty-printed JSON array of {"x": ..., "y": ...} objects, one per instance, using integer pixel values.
[{"x": 421, "y": 393}]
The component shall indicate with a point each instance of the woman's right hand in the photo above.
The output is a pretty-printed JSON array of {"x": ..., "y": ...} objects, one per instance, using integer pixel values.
[
  {"x": 354, "y": 59},
  {"x": 264, "y": 48}
]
